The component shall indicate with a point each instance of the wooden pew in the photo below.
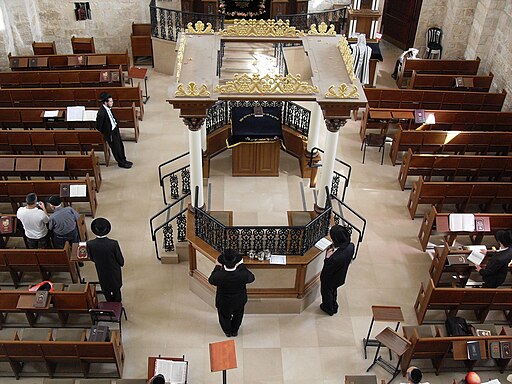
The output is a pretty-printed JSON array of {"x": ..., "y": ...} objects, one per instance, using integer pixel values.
[
  {"x": 70, "y": 166},
  {"x": 89, "y": 61},
  {"x": 64, "y": 97},
  {"x": 440, "y": 347},
  {"x": 461, "y": 194},
  {"x": 39, "y": 142},
  {"x": 470, "y": 167},
  {"x": 460, "y": 67},
  {"x": 32, "y": 118},
  {"x": 497, "y": 221},
  {"x": 482, "y": 143},
  {"x": 44, "y": 48},
  {"x": 51, "y": 353},
  {"x": 43, "y": 261},
  {"x": 451, "y": 300},
  {"x": 14, "y": 192},
  {"x": 433, "y": 99},
  {"x": 63, "y": 79},
  {"x": 447, "y": 82}
]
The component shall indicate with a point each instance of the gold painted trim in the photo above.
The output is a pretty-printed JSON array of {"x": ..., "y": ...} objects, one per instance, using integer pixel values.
[
  {"x": 322, "y": 30},
  {"x": 261, "y": 28},
  {"x": 192, "y": 90},
  {"x": 343, "y": 92},
  {"x": 199, "y": 28},
  {"x": 279, "y": 84},
  {"x": 179, "y": 57},
  {"x": 346, "y": 54}
]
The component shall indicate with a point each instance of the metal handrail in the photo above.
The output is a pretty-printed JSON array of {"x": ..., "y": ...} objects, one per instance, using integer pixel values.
[{"x": 339, "y": 216}]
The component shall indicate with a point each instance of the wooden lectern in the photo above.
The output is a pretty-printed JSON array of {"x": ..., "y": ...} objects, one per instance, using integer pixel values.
[{"x": 222, "y": 357}]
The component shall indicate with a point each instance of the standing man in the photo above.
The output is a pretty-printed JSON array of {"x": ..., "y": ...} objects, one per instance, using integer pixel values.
[
  {"x": 63, "y": 223},
  {"x": 107, "y": 124},
  {"x": 230, "y": 277},
  {"x": 334, "y": 271},
  {"x": 108, "y": 259},
  {"x": 33, "y": 216}
]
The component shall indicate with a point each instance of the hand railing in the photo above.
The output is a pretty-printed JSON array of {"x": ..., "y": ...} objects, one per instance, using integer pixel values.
[{"x": 340, "y": 217}]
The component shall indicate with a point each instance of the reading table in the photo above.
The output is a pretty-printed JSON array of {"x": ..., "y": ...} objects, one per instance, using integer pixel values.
[
  {"x": 382, "y": 313},
  {"x": 139, "y": 73}
]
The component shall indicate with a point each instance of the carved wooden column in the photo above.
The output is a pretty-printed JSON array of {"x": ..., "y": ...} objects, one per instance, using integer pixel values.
[
  {"x": 331, "y": 144},
  {"x": 196, "y": 170}
]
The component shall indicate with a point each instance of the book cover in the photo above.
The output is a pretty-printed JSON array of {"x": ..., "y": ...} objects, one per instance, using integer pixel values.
[
  {"x": 494, "y": 349},
  {"x": 82, "y": 250},
  {"x": 64, "y": 190},
  {"x": 32, "y": 62},
  {"x": 80, "y": 60},
  {"x": 114, "y": 76},
  {"x": 474, "y": 350},
  {"x": 505, "y": 349},
  {"x": 483, "y": 332},
  {"x": 15, "y": 63},
  {"x": 457, "y": 259},
  {"x": 41, "y": 299},
  {"x": 459, "y": 82},
  {"x": 482, "y": 224},
  {"x": 104, "y": 77},
  {"x": 7, "y": 225}
]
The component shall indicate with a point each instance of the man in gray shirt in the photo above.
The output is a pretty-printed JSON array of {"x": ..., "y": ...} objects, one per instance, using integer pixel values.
[{"x": 63, "y": 223}]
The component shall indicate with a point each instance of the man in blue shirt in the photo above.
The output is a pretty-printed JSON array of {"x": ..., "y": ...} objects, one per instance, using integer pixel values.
[{"x": 63, "y": 223}]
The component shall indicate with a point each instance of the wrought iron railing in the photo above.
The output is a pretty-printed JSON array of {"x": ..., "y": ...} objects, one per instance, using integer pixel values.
[
  {"x": 168, "y": 23},
  {"x": 177, "y": 177},
  {"x": 347, "y": 217},
  {"x": 337, "y": 176},
  {"x": 303, "y": 21},
  {"x": 281, "y": 240},
  {"x": 292, "y": 115},
  {"x": 282, "y": 67}
]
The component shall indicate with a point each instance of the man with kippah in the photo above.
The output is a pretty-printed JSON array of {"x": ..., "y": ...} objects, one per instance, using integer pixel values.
[
  {"x": 63, "y": 223},
  {"x": 34, "y": 218},
  {"x": 107, "y": 124}
]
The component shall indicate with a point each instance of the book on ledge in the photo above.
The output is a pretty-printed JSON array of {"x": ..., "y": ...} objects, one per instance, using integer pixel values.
[
  {"x": 457, "y": 259},
  {"x": 494, "y": 349},
  {"x": 476, "y": 257},
  {"x": 464, "y": 222},
  {"x": 41, "y": 299},
  {"x": 506, "y": 349},
  {"x": 7, "y": 226},
  {"x": 174, "y": 372},
  {"x": 474, "y": 352}
]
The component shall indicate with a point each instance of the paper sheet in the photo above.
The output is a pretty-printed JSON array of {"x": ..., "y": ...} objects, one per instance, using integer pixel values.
[
  {"x": 77, "y": 190},
  {"x": 278, "y": 259}
]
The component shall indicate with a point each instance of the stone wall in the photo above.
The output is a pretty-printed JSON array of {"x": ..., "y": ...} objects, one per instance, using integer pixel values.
[{"x": 46, "y": 20}]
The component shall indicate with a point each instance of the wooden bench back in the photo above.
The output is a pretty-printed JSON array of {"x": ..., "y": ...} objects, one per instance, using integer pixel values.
[{"x": 447, "y": 82}]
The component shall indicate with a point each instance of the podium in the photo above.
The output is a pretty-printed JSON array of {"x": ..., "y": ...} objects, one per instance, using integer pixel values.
[{"x": 222, "y": 357}]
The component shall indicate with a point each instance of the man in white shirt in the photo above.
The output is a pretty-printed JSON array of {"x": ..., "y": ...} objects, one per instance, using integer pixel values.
[
  {"x": 414, "y": 376},
  {"x": 33, "y": 216}
]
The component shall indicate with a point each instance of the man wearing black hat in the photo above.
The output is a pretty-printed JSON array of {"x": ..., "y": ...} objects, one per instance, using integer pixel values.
[
  {"x": 495, "y": 272},
  {"x": 108, "y": 259},
  {"x": 63, "y": 223},
  {"x": 334, "y": 271},
  {"x": 34, "y": 218},
  {"x": 230, "y": 277},
  {"x": 107, "y": 124}
]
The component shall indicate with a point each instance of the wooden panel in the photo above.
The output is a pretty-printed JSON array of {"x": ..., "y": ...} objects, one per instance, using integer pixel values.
[
  {"x": 399, "y": 22},
  {"x": 267, "y": 163},
  {"x": 243, "y": 160}
]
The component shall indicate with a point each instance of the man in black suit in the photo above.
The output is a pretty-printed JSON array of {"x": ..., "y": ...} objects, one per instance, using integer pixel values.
[
  {"x": 230, "y": 277},
  {"x": 496, "y": 270},
  {"x": 107, "y": 124},
  {"x": 334, "y": 271},
  {"x": 107, "y": 258}
]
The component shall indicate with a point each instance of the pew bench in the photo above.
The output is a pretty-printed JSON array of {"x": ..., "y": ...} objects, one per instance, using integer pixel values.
[
  {"x": 448, "y": 82},
  {"x": 61, "y": 142},
  {"x": 14, "y": 192},
  {"x": 19, "y": 350},
  {"x": 450, "y": 167},
  {"x": 461, "y": 194}
]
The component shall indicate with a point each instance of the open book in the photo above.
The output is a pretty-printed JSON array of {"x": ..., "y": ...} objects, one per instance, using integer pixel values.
[
  {"x": 175, "y": 372},
  {"x": 462, "y": 222},
  {"x": 79, "y": 113},
  {"x": 476, "y": 257}
]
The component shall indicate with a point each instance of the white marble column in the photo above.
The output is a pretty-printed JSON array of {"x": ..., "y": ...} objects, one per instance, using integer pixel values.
[
  {"x": 316, "y": 123},
  {"x": 331, "y": 144},
  {"x": 196, "y": 170},
  {"x": 204, "y": 142}
]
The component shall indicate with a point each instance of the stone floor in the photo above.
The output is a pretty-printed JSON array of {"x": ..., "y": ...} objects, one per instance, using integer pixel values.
[{"x": 166, "y": 318}]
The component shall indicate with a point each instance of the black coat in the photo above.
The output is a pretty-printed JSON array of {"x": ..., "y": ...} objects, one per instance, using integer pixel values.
[
  {"x": 103, "y": 123},
  {"x": 231, "y": 290},
  {"x": 334, "y": 271},
  {"x": 108, "y": 260},
  {"x": 495, "y": 272}
]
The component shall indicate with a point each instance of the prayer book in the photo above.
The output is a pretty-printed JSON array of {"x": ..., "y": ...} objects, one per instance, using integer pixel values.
[
  {"x": 75, "y": 113},
  {"x": 41, "y": 299},
  {"x": 506, "y": 350},
  {"x": 278, "y": 259},
  {"x": 474, "y": 350},
  {"x": 77, "y": 190},
  {"x": 89, "y": 115},
  {"x": 82, "y": 250},
  {"x": 7, "y": 225},
  {"x": 462, "y": 222},
  {"x": 51, "y": 113},
  {"x": 174, "y": 372},
  {"x": 483, "y": 332},
  {"x": 476, "y": 257},
  {"x": 457, "y": 259},
  {"x": 323, "y": 243},
  {"x": 494, "y": 349}
]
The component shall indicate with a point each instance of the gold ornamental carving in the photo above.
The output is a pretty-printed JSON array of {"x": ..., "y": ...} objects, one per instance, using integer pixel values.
[
  {"x": 199, "y": 28},
  {"x": 192, "y": 90},
  {"x": 261, "y": 28},
  {"x": 278, "y": 84},
  {"x": 179, "y": 57},
  {"x": 343, "y": 92},
  {"x": 322, "y": 30},
  {"x": 346, "y": 54}
]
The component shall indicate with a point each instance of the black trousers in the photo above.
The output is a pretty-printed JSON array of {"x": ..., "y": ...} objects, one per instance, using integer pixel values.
[
  {"x": 329, "y": 298},
  {"x": 230, "y": 319},
  {"x": 60, "y": 240},
  {"x": 116, "y": 145},
  {"x": 38, "y": 243},
  {"x": 112, "y": 295}
]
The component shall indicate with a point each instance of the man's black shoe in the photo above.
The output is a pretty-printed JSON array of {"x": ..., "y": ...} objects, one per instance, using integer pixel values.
[
  {"x": 326, "y": 311},
  {"x": 128, "y": 162},
  {"x": 234, "y": 333},
  {"x": 228, "y": 334},
  {"x": 124, "y": 165}
]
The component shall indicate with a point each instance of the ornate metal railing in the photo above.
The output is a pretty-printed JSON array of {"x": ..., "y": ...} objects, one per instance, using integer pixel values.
[
  {"x": 337, "y": 176},
  {"x": 293, "y": 115},
  {"x": 168, "y": 23},
  {"x": 346, "y": 216},
  {"x": 303, "y": 21},
  {"x": 177, "y": 177},
  {"x": 280, "y": 58},
  {"x": 280, "y": 240}
]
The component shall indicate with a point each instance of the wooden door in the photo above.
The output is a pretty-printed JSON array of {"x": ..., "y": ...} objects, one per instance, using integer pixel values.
[{"x": 400, "y": 21}]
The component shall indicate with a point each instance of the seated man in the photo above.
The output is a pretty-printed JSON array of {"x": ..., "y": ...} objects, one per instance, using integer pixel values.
[
  {"x": 411, "y": 53},
  {"x": 496, "y": 270}
]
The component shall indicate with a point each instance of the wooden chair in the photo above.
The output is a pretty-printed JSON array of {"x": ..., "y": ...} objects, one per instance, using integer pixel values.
[
  {"x": 44, "y": 48},
  {"x": 108, "y": 311},
  {"x": 82, "y": 44},
  {"x": 374, "y": 140}
]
